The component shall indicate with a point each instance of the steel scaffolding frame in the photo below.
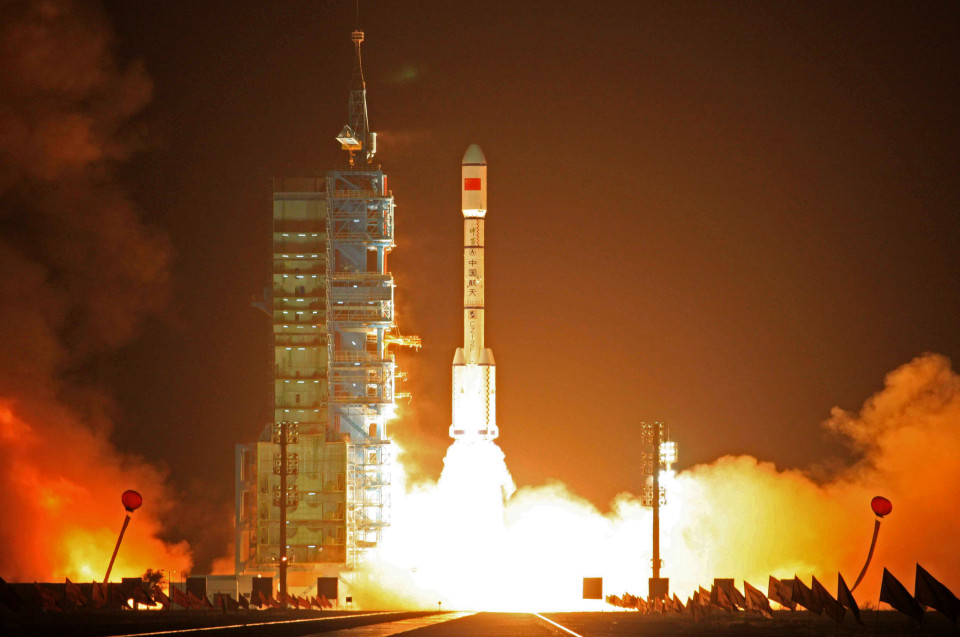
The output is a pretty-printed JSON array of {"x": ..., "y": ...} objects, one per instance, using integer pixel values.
[{"x": 359, "y": 300}]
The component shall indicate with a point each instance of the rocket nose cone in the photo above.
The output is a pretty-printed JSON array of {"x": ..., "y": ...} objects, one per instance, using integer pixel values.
[{"x": 474, "y": 156}]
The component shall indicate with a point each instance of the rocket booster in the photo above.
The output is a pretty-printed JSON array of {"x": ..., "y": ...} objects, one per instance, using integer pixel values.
[{"x": 474, "y": 373}]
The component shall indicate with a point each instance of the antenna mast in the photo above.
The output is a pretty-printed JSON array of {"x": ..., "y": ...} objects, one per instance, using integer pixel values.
[{"x": 356, "y": 138}]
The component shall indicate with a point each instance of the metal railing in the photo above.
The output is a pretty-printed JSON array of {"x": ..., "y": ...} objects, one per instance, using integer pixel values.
[
  {"x": 358, "y": 296},
  {"x": 359, "y": 194},
  {"x": 362, "y": 357},
  {"x": 360, "y": 276},
  {"x": 347, "y": 399},
  {"x": 367, "y": 214},
  {"x": 362, "y": 236},
  {"x": 371, "y": 313}
]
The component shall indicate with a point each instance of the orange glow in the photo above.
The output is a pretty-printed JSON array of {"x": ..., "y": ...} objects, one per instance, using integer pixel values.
[
  {"x": 11, "y": 429},
  {"x": 405, "y": 341},
  {"x": 736, "y": 517},
  {"x": 64, "y": 483},
  {"x": 64, "y": 307}
]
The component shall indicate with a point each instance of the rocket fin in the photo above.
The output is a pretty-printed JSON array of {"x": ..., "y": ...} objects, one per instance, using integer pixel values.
[{"x": 486, "y": 357}]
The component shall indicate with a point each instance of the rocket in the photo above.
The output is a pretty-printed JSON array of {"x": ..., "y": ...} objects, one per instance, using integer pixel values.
[{"x": 474, "y": 373}]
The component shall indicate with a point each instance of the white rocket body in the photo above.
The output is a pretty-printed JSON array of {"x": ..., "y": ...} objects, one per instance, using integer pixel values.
[{"x": 474, "y": 373}]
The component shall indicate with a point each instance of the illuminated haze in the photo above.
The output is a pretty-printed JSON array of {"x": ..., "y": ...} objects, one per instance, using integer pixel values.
[
  {"x": 762, "y": 227},
  {"x": 455, "y": 542},
  {"x": 80, "y": 271}
]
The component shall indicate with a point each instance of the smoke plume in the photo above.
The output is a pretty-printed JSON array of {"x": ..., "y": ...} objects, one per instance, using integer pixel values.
[
  {"x": 79, "y": 269},
  {"x": 737, "y": 517},
  {"x": 782, "y": 522}
]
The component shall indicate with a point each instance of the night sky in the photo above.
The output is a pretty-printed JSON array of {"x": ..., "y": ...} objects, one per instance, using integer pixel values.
[{"x": 731, "y": 217}]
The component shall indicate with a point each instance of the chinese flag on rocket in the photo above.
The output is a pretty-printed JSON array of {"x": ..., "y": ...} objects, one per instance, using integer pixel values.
[{"x": 471, "y": 183}]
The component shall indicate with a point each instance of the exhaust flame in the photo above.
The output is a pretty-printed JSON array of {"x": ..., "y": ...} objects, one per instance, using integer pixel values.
[
  {"x": 458, "y": 543},
  {"x": 61, "y": 485}
]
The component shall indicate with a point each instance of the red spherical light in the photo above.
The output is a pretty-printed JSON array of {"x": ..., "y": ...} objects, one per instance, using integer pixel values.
[
  {"x": 881, "y": 506},
  {"x": 131, "y": 500}
]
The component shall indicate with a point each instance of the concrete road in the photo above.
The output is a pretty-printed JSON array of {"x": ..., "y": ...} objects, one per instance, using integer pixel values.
[
  {"x": 626, "y": 624},
  {"x": 468, "y": 624},
  {"x": 462, "y": 625}
]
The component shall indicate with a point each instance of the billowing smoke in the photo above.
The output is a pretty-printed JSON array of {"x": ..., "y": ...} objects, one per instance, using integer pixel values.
[
  {"x": 736, "y": 517},
  {"x": 759, "y": 521},
  {"x": 79, "y": 269}
]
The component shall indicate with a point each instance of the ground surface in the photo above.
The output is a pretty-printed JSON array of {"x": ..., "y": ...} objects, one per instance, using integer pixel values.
[
  {"x": 784, "y": 624},
  {"x": 623, "y": 624},
  {"x": 466, "y": 624},
  {"x": 269, "y": 623}
]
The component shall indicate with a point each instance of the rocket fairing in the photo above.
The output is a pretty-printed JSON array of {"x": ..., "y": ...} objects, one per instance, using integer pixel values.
[{"x": 474, "y": 373}]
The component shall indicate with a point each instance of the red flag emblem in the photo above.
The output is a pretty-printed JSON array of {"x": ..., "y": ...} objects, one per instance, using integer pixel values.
[{"x": 471, "y": 183}]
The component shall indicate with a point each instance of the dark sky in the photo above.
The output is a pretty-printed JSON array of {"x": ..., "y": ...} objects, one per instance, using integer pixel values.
[{"x": 727, "y": 216}]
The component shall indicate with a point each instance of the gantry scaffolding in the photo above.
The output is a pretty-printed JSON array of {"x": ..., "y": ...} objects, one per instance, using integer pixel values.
[
  {"x": 313, "y": 492},
  {"x": 360, "y": 310},
  {"x": 333, "y": 378}
]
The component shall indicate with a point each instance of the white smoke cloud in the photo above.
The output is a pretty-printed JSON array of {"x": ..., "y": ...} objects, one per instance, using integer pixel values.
[{"x": 737, "y": 517}]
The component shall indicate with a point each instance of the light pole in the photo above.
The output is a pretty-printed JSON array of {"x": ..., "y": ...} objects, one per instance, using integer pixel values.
[
  {"x": 655, "y": 501},
  {"x": 662, "y": 456},
  {"x": 131, "y": 502},
  {"x": 284, "y": 433}
]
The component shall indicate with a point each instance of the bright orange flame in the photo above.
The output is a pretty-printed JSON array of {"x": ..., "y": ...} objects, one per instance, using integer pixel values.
[
  {"x": 737, "y": 517},
  {"x": 61, "y": 486}
]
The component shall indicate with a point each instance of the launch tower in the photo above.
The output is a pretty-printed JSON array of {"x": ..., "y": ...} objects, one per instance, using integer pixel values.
[{"x": 332, "y": 374}]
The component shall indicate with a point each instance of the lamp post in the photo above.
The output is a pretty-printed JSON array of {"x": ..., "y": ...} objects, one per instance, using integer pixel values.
[
  {"x": 284, "y": 434},
  {"x": 662, "y": 455},
  {"x": 131, "y": 501},
  {"x": 881, "y": 508},
  {"x": 283, "y": 516}
]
